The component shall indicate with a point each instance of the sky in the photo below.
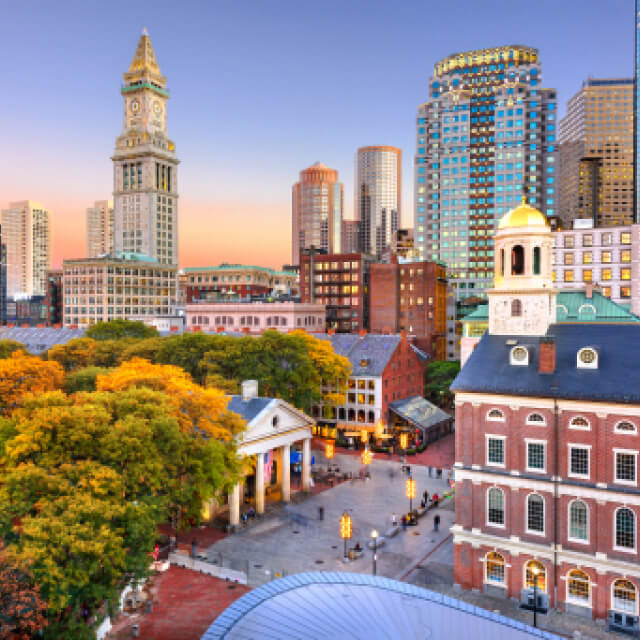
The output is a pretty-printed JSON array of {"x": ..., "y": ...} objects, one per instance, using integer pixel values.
[{"x": 260, "y": 89}]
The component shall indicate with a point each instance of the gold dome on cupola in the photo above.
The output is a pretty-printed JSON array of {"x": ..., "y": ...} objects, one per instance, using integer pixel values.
[{"x": 524, "y": 215}]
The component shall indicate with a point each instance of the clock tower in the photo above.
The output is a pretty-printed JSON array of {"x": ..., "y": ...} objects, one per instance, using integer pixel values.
[
  {"x": 523, "y": 298},
  {"x": 145, "y": 166}
]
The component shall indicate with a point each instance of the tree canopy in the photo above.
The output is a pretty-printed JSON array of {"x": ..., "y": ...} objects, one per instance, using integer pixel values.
[
  {"x": 439, "y": 376},
  {"x": 117, "y": 329}
]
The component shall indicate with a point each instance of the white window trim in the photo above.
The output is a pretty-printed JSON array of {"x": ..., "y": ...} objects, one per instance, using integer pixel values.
[
  {"x": 577, "y": 445},
  {"x": 577, "y": 428},
  {"x": 490, "y": 419},
  {"x": 504, "y": 508},
  {"x": 629, "y": 483},
  {"x": 484, "y": 573},
  {"x": 492, "y": 436},
  {"x": 635, "y": 531},
  {"x": 576, "y": 601},
  {"x": 626, "y": 433},
  {"x": 635, "y": 611},
  {"x": 526, "y": 515},
  {"x": 527, "y": 442},
  {"x": 578, "y": 540},
  {"x": 535, "y": 423},
  {"x": 524, "y": 575}
]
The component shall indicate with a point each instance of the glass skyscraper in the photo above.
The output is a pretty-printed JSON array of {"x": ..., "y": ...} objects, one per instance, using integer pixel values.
[{"x": 486, "y": 139}]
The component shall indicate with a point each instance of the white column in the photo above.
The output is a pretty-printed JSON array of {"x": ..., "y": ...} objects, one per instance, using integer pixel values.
[
  {"x": 306, "y": 464},
  {"x": 234, "y": 505},
  {"x": 286, "y": 472},
  {"x": 260, "y": 482}
]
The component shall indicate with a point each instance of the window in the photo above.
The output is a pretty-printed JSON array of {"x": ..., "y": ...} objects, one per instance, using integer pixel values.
[
  {"x": 587, "y": 240},
  {"x": 516, "y": 308},
  {"x": 607, "y": 239},
  {"x": 568, "y": 276},
  {"x": 624, "y": 596},
  {"x": 625, "y": 237},
  {"x": 535, "y": 570},
  {"x": 606, "y": 256},
  {"x": 579, "y": 423},
  {"x": 519, "y": 356},
  {"x": 587, "y": 257},
  {"x": 625, "y": 427},
  {"x": 587, "y": 358},
  {"x": 517, "y": 260},
  {"x": 625, "y": 273},
  {"x": 568, "y": 258},
  {"x": 578, "y": 587},
  {"x": 536, "y": 261},
  {"x": 535, "y": 456},
  {"x": 535, "y": 513},
  {"x": 625, "y": 255},
  {"x": 495, "y": 414},
  {"x": 495, "y": 506},
  {"x": 494, "y": 568},
  {"x": 536, "y": 419},
  {"x": 495, "y": 450},
  {"x": 569, "y": 242},
  {"x": 579, "y": 461},
  {"x": 625, "y": 467},
  {"x": 625, "y": 529},
  {"x": 587, "y": 275},
  {"x": 578, "y": 521}
]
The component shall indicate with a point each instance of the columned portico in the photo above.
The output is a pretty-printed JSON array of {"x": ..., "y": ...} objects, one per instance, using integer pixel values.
[
  {"x": 234, "y": 506},
  {"x": 306, "y": 464},
  {"x": 260, "y": 482},
  {"x": 286, "y": 473}
]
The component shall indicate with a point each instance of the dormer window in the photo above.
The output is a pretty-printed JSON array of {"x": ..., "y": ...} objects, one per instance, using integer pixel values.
[
  {"x": 364, "y": 362},
  {"x": 519, "y": 356},
  {"x": 274, "y": 422},
  {"x": 587, "y": 358}
]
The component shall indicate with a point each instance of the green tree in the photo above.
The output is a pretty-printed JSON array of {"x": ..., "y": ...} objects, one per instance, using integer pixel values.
[
  {"x": 439, "y": 376},
  {"x": 83, "y": 379},
  {"x": 187, "y": 352},
  {"x": 7, "y": 347},
  {"x": 118, "y": 329},
  {"x": 75, "y": 354}
]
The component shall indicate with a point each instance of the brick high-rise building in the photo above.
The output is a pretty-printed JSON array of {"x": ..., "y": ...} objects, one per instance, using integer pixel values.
[
  {"x": 350, "y": 236},
  {"x": 100, "y": 229},
  {"x": 317, "y": 204},
  {"x": 595, "y": 163},
  {"x": 410, "y": 297}
]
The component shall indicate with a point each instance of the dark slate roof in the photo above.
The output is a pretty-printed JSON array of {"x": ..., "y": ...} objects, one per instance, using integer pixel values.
[
  {"x": 373, "y": 348},
  {"x": 617, "y": 378},
  {"x": 419, "y": 411},
  {"x": 38, "y": 340},
  {"x": 248, "y": 410}
]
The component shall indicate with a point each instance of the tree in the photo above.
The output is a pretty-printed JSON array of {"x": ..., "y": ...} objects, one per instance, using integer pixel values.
[
  {"x": 75, "y": 354},
  {"x": 22, "y": 375},
  {"x": 187, "y": 352},
  {"x": 439, "y": 376},
  {"x": 118, "y": 329},
  {"x": 83, "y": 379},
  {"x": 147, "y": 349},
  {"x": 7, "y": 347},
  {"x": 22, "y": 610}
]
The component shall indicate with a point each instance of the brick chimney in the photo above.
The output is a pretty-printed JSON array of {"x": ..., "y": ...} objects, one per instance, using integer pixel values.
[
  {"x": 589, "y": 291},
  {"x": 363, "y": 333},
  {"x": 249, "y": 390},
  {"x": 547, "y": 360}
]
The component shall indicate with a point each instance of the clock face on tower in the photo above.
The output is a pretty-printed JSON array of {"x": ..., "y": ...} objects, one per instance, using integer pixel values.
[{"x": 135, "y": 106}]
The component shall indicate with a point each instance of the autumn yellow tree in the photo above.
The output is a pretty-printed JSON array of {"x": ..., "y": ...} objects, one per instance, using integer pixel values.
[
  {"x": 22, "y": 375},
  {"x": 75, "y": 354}
]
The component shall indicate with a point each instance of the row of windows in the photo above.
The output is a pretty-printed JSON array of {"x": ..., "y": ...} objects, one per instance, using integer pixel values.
[
  {"x": 624, "y": 594},
  {"x": 605, "y": 257},
  {"x": 569, "y": 242}
]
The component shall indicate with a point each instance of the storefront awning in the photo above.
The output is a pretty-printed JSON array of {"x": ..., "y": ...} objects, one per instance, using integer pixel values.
[{"x": 419, "y": 412}]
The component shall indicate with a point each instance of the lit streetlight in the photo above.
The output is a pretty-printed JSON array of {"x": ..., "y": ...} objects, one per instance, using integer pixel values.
[
  {"x": 404, "y": 440},
  {"x": 329, "y": 450},
  {"x": 366, "y": 456},
  {"x": 345, "y": 531},
  {"x": 374, "y": 537},
  {"x": 411, "y": 492}
]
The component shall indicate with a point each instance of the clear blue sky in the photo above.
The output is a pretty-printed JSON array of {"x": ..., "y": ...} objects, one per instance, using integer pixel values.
[{"x": 260, "y": 90}]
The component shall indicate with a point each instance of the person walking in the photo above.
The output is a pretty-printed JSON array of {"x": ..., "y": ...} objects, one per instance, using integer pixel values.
[
  {"x": 394, "y": 520},
  {"x": 425, "y": 496},
  {"x": 435, "y": 500},
  {"x": 404, "y": 523},
  {"x": 436, "y": 522}
]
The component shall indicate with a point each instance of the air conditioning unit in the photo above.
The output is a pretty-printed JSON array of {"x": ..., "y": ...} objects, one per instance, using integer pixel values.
[
  {"x": 526, "y": 600},
  {"x": 624, "y": 623}
]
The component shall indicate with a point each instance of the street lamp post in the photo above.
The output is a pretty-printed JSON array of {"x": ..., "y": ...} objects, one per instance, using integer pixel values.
[
  {"x": 345, "y": 532},
  {"x": 366, "y": 456},
  {"x": 411, "y": 492},
  {"x": 374, "y": 537},
  {"x": 535, "y": 571}
]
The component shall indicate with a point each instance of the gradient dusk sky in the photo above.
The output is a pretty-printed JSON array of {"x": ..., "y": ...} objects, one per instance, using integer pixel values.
[{"x": 259, "y": 91}]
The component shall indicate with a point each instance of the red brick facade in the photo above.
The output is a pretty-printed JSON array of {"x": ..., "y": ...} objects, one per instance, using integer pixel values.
[
  {"x": 403, "y": 377},
  {"x": 584, "y": 488}
]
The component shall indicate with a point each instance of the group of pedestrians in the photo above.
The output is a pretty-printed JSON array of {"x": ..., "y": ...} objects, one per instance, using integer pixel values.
[{"x": 412, "y": 517}]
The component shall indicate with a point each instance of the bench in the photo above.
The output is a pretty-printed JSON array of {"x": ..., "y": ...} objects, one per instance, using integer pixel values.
[
  {"x": 392, "y": 531},
  {"x": 379, "y": 544}
]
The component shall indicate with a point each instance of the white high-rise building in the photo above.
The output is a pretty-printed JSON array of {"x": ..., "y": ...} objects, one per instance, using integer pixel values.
[
  {"x": 100, "y": 228},
  {"x": 145, "y": 166},
  {"x": 378, "y": 196},
  {"x": 27, "y": 237}
]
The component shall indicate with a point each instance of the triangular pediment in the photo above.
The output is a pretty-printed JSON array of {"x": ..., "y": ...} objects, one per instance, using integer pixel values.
[{"x": 277, "y": 418}]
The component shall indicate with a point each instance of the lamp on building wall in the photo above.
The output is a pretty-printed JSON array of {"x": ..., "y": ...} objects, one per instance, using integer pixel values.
[{"x": 345, "y": 531}]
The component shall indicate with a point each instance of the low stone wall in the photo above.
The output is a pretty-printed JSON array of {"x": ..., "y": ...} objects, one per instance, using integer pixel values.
[{"x": 183, "y": 560}]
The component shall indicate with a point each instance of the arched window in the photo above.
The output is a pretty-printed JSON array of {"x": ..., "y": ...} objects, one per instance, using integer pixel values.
[
  {"x": 536, "y": 261},
  {"x": 535, "y": 513},
  {"x": 578, "y": 586},
  {"x": 495, "y": 506},
  {"x": 516, "y": 308},
  {"x": 535, "y": 418},
  {"x": 502, "y": 262},
  {"x": 371, "y": 417},
  {"x": 360, "y": 415},
  {"x": 352, "y": 415},
  {"x": 342, "y": 413},
  {"x": 579, "y": 423},
  {"x": 517, "y": 260},
  {"x": 578, "y": 521},
  {"x": 625, "y": 528},
  {"x": 495, "y": 414},
  {"x": 625, "y": 427},
  {"x": 494, "y": 568},
  {"x": 535, "y": 570},
  {"x": 624, "y": 596}
]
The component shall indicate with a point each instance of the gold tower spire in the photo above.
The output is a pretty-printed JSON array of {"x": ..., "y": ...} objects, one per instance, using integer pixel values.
[{"x": 144, "y": 66}]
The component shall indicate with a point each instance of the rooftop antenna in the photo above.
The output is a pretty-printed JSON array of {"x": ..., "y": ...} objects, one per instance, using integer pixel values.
[{"x": 144, "y": 31}]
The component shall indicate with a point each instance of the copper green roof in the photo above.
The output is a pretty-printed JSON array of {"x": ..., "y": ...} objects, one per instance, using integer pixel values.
[
  {"x": 573, "y": 306},
  {"x": 236, "y": 267}
]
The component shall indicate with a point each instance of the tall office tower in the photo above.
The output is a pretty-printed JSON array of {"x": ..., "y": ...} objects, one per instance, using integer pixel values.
[
  {"x": 145, "y": 166},
  {"x": 317, "y": 204},
  {"x": 485, "y": 140},
  {"x": 378, "y": 194},
  {"x": 350, "y": 241},
  {"x": 595, "y": 163},
  {"x": 3, "y": 281},
  {"x": 27, "y": 237},
  {"x": 100, "y": 228}
]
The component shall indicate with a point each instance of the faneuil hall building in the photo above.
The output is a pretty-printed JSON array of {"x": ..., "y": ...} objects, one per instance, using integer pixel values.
[{"x": 547, "y": 441}]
